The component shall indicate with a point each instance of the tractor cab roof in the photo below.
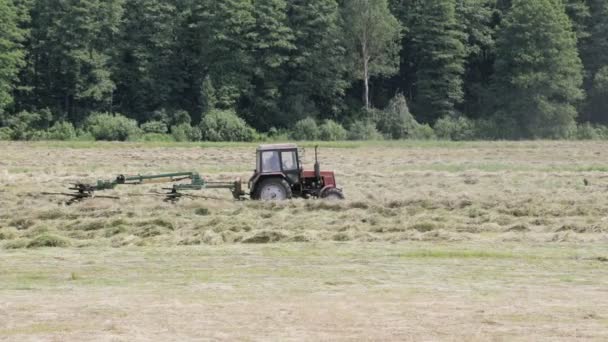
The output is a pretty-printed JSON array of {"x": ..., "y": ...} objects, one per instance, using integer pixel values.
[{"x": 276, "y": 147}]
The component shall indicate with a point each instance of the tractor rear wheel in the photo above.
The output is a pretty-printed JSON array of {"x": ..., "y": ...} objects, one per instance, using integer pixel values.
[
  {"x": 273, "y": 189},
  {"x": 332, "y": 194}
]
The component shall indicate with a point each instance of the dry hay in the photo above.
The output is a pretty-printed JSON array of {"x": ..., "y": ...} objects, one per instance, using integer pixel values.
[{"x": 529, "y": 191}]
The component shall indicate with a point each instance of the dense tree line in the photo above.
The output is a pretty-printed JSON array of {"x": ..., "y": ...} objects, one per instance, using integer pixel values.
[{"x": 401, "y": 68}]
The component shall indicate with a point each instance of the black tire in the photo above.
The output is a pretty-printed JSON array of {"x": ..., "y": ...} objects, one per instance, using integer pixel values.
[
  {"x": 332, "y": 194},
  {"x": 273, "y": 189}
]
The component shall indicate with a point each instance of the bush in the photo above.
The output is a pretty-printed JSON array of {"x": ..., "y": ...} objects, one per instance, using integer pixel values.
[
  {"x": 61, "y": 131},
  {"x": 185, "y": 132},
  {"x": 587, "y": 131},
  {"x": 305, "y": 129},
  {"x": 456, "y": 129},
  {"x": 396, "y": 122},
  {"x": 332, "y": 131},
  {"x": 156, "y": 137},
  {"x": 154, "y": 127},
  {"x": 105, "y": 126},
  {"x": 171, "y": 118},
  {"x": 225, "y": 125},
  {"x": 363, "y": 130},
  {"x": 28, "y": 125},
  {"x": 6, "y": 133}
]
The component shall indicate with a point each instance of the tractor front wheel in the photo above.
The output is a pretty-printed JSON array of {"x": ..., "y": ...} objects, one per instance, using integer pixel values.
[
  {"x": 274, "y": 189},
  {"x": 332, "y": 194}
]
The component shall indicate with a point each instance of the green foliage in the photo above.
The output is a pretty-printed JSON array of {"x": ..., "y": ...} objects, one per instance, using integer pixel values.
[
  {"x": 74, "y": 39},
  {"x": 225, "y": 125},
  {"x": 185, "y": 132},
  {"x": 105, "y": 126},
  {"x": 396, "y": 121},
  {"x": 538, "y": 71},
  {"x": 455, "y": 128},
  {"x": 318, "y": 72},
  {"x": 332, "y": 131},
  {"x": 363, "y": 130},
  {"x": 28, "y": 125},
  {"x": 61, "y": 130},
  {"x": 154, "y": 127},
  {"x": 6, "y": 133},
  {"x": 11, "y": 50},
  {"x": 156, "y": 137},
  {"x": 372, "y": 34},
  {"x": 306, "y": 129},
  {"x": 438, "y": 43},
  {"x": 587, "y": 131},
  {"x": 511, "y": 65}
]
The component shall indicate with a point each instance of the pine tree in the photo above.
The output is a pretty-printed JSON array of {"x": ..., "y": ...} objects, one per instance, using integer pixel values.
[
  {"x": 477, "y": 19},
  {"x": 69, "y": 64},
  {"x": 538, "y": 70},
  {"x": 440, "y": 58},
  {"x": 272, "y": 44},
  {"x": 317, "y": 67},
  {"x": 11, "y": 50},
  {"x": 226, "y": 30},
  {"x": 373, "y": 35},
  {"x": 145, "y": 68},
  {"x": 594, "y": 52}
]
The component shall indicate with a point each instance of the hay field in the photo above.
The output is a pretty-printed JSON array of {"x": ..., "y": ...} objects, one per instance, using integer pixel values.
[
  {"x": 395, "y": 192},
  {"x": 436, "y": 241}
]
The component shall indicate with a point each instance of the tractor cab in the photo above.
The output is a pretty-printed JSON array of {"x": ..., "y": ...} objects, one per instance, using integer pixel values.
[{"x": 279, "y": 175}]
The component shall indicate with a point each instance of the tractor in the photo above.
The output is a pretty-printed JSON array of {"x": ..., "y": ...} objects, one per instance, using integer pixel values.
[{"x": 278, "y": 176}]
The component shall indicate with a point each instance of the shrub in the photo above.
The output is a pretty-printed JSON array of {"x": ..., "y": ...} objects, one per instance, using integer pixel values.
[
  {"x": 363, "y": 130},
  {"x": 332, "y": 131},
  {"x": 396, "y": 121},
  {"x": 185, "y": 132},
  {"x": 171, "y": 118},
  {"x": 105, "y": 126},
  {"x": 6, "y": 133},
  {"x": 156, "y": 137},
  {"x": 456, "y": 129},
  {"x": 305, "y": 129},
  {"x": 225, "y": 125},
  {"x": 61, "y": 131},
  {"x": 587, "y": 131},
  {"x": 154, "y": 127},
  {"x": 278, "y": 134},
  {"x": 28, "y": 125}
]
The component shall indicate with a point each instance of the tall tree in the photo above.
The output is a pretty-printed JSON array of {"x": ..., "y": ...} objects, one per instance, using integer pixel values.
[
  {"x": 69, "y": 58},
  {"x": 144, "y": 58},
  {"x": 272, "y": 44},
  {"x": 317, "y": 71},
  {"x": 538, "y": 70},
  {"x": 478, "y": 21},
  {"x": 373, "y": 35},
  {"x": 440, "y": 58},
  {"x": 227, "y": 34},
  {"x": 594, "y": 52},
  {"x": 11, "y": 50}
]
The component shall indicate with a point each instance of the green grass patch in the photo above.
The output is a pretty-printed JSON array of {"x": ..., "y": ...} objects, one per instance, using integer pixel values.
[{"x": 456, "y": 254}]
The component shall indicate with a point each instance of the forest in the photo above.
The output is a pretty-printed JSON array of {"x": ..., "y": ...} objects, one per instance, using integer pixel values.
[{"x": 244, "y": 70}]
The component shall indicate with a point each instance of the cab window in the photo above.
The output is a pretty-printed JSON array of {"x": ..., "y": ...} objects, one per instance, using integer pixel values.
[
  {"x": 270, "y": 161},
  {"x": 289, "y": 160}
]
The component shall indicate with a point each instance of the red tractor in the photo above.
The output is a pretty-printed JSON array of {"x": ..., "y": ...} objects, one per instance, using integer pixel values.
[{"x": 279, "y": 175}]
